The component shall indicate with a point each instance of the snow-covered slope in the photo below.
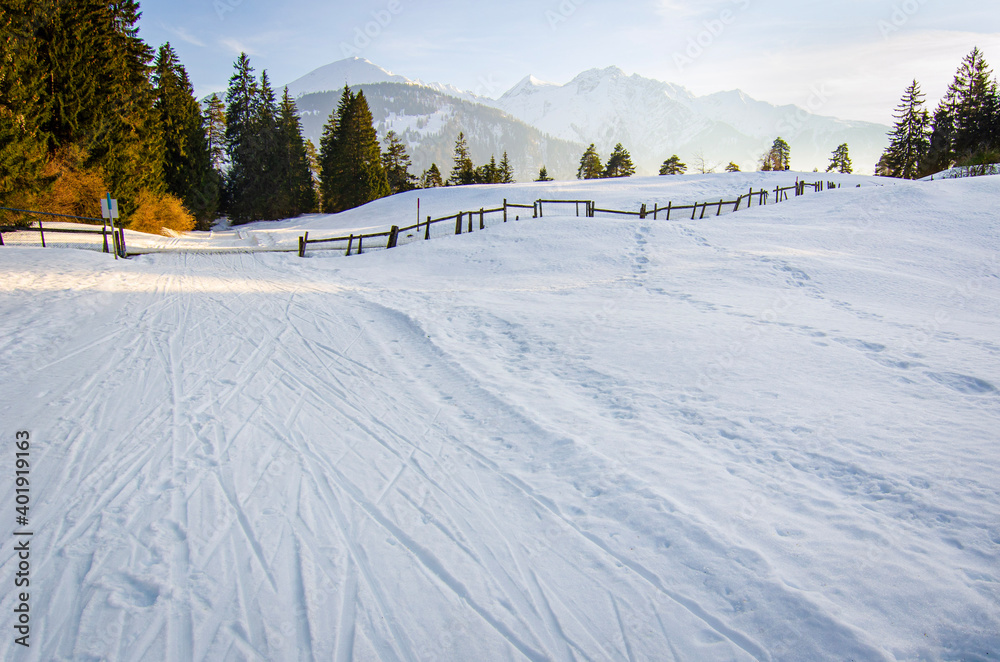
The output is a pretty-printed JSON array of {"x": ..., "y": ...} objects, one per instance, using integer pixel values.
[
  {"x": 654, "y": 119},
  {"x": 769, "y": 435},
  {"x": 358, "y": 71}
]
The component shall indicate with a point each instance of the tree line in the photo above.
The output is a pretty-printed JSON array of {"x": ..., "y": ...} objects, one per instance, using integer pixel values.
[{"x": 964, "y": 129}]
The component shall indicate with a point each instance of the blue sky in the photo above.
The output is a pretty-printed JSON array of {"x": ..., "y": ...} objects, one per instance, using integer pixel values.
[{"x": 850, "y": 59}]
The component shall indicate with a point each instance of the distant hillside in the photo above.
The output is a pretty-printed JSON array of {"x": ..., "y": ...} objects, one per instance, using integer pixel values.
[{"x": 429, "y": 122}]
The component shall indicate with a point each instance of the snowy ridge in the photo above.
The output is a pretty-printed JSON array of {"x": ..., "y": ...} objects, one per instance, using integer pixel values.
[{"x": 765, "y": 436}]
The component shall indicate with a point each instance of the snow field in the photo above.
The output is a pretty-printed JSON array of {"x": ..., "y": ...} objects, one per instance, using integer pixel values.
[{"x": 770, "y": 435}]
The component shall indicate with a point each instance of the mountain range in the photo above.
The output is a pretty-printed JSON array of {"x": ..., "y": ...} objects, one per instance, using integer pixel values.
[{"x": 539, "y": 123}]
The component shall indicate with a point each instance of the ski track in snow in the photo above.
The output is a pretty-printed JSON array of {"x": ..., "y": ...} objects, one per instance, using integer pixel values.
[{"x": 594, "y": 455}]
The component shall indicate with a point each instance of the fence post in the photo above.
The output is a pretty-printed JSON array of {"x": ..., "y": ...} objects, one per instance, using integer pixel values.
[
  {"x": 393, "y": 237},
  {"x": 350, "y": 242},
  {"x": 718, "y": 212},
  {"x": 458, "y": 223},
  {"x": 670, "y": 204},
  {"x": 104, "y": 235},
  {"x": 427, "y": 229},
  {"x": 703, "y": 208},
  {"x": 738, "y": 201},
  {"x": 694, "y": 210},
  {"x": 361, "y": 239},
  {"x": 505, "y": 210},
  {"x": 536, "y": 212},
  {"x": 117, "y": 243},
  {"x": 302, "y": 244},
  {"x": 482, "y": 224},
  {"x": 41, "y": 231},
  {"x": 642, "y": 211},
  {"x": 470, "y": 221}
]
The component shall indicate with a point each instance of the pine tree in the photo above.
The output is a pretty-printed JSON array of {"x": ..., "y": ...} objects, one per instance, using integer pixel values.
[
  {"x": 506, "y": 171},
  {"x": 619, "y": 163},
  {"x": 940, "y": 150},
  {"x": 463, "y": 172},
  {"x": 908, "y": 141},
  {"x": 351, "y": 161},
  {"x": 294, "y": 176},
  {"x": 974, "y": 101},
  {"x": 777, "y": 158},
  {"x": 242, "y": 105},
  {"x": 840, "y": 161},
  {"x": 330, "y": 157},
  {"x": 215, "y": 121},
  {"x": 543, "y": 175},
  {"x": 187, "y": 164},
  {"x": 23, "y": 105},
  {"x": 732, "y": 167},
  {"x": 431, "y": 177},
  {"x": 590, "y": 165},
  {"x": 673, "y": 166},
  {"x": 397, "y": 164},
  {"x": 488, "y": 173}
]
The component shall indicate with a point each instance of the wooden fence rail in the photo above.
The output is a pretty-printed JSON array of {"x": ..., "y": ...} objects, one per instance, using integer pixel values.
[
  {"x": 466, "y": 219},
  {"x": 118, "y": 235}
]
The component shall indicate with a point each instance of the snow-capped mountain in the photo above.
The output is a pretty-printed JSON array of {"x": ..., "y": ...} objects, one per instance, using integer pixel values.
[{"x": 654, "y": 119}]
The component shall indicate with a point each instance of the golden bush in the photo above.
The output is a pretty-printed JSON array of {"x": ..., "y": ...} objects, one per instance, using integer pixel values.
[{"x": 156, "y": 213}]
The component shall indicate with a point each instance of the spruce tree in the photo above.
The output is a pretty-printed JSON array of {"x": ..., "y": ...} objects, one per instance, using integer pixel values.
[
  {"x": 506, "y": 171},
  {"x": 732, "y": 167},
  {"x": 940, "y": 150},
  {"x": 351, "y": 161},
  {"x": 908, "y": 141},
  {"x": 973, "y": 96},
  {"x": 673, "y": 166},
  {"x": 840, "y": 161},
  {"x": 431, "y": 177},
  {"x": 294, "y": 177},
  {"x": 330, "y": 156},
  {"x": 397, "y": 164},
  {"x": 23, "y": 105},
  {"x": 488, "y": 173},
  {"x": 215, "y": 129},
  {"x": 590, "y": 165},
  {"x": 777, "y": 158},
  {"x": 187, "y": 164},
  {"x": 244, "y": 162},
  {"x": 463, "y": 172},
  {"x": 543, "y": 175},
  {"x": 619, "y": 163}
]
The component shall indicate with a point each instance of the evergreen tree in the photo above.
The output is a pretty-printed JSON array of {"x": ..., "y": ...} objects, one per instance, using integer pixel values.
[
  {"x": 243, "y": 178},
  {"x": 619, "y": 163},
  {"x": 506, "y": 171},
  {"x": 216, "y": 131},
  {"x": 431, "y": 177},
  {"x": 488, "y": 173},
  {"x": 313, "y": 157},
  {"x": 908, "y": 141},
  {"x": 840, "y": 161},
  {"x": 187, "y": 165},
  {"x": 294, "y": 176},
  {"x": 673, "y": 166},
  {"x": 590, "y": 165},
  {"x": 940, "y": 150},
  {"x": 463, "y": 172},
  {"x": 974, "y": 106},
  {"x": 329, "y": 155},
  {"x": 351, "y": 161},
  {"x": 23, "y": 105},
  {"x": 396, "y": 162},
  {"x": 778, "y": 157},
  {"x": 732, "y": 167},
  {"x": 543, "y": 175}
]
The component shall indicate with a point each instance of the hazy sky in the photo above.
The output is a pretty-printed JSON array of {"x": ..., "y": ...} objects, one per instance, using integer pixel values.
[{"x": 846, "y": 58}]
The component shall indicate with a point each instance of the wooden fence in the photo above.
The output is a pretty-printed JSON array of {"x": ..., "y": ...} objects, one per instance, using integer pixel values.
[
  {"x": 117, "y": 235},
  {"x": 467, "y": 220}
]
